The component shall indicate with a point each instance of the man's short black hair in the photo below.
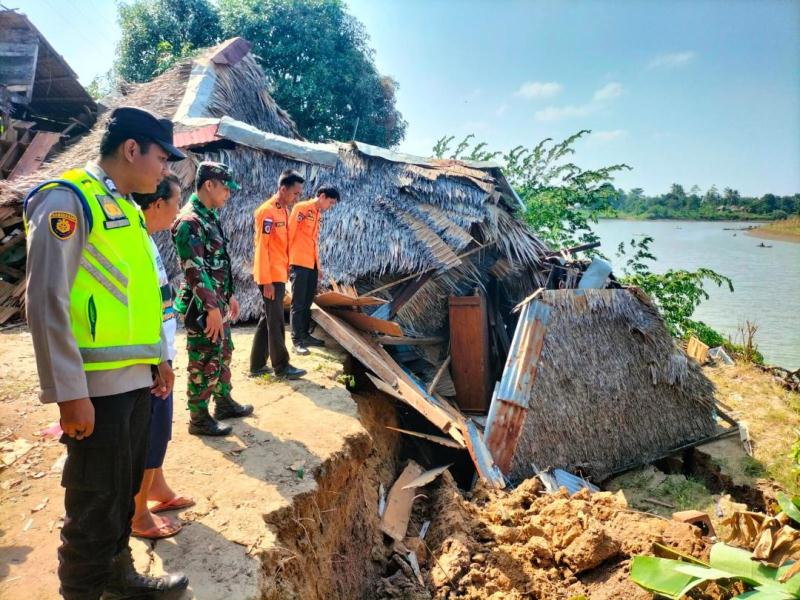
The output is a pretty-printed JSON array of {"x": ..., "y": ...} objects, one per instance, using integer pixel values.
[
  {"x": 289, "y": 177},
  {"x": 114, "y": 139},
  {"x": 329, "y": 191},
  {"x": 162, "y": 192}
]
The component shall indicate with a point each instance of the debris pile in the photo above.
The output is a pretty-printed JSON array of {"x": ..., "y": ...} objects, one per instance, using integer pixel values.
[{"x": 527, "y": 543}]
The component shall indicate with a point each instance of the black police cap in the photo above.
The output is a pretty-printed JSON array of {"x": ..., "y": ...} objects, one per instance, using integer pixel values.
[{"x": 139, "y": 122}]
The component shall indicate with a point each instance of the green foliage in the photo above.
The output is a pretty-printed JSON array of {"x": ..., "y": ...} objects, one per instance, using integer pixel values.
[
  {"x": 316, "y": 54},
  {"x": 710, "y": 337},
  {"x": 677, "y": 292},
  {"x": 711, "y": 206},
  {"x": 561, "y": 200},
  {"x": 322, "y": 68},
  {"x": 348, "y": 381},
  {"x": 102, "y": 85},
  {"x": 794, "y": 455},
  {"x": 157, "y": 33}
]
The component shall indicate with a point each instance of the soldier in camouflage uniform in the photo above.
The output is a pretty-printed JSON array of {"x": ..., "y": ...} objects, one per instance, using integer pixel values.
[{"x": 206, "y": 299}]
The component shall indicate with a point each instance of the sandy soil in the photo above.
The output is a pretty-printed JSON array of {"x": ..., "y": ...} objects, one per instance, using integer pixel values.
[
  {"x": 239, "y": 482},
  {"x": 771, "y": 234}
]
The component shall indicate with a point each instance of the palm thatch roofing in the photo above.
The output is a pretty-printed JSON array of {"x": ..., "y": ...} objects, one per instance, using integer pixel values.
[
  {"x": 400, "y": 215},
  {"x": 612, "y": 389}
]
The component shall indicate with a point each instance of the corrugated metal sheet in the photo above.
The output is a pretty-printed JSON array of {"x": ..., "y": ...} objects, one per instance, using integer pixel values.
[
  {"x": 247, "y": 135},
  {"x": 482, "y": 457},
  {"x": 523, "y": 356},
  {"x": 555, "y": 479},
  {"x": 197, "y": 136},
  {"x": 509, "y": 407}
]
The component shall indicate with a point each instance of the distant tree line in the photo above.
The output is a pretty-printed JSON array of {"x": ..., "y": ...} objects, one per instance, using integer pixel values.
[
  {"x": 711, "y": 205},
  {"x": 316, "y": 54}
]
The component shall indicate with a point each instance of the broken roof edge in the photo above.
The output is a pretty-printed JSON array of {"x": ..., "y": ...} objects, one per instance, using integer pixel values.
[{"x": 402, "y": 157}]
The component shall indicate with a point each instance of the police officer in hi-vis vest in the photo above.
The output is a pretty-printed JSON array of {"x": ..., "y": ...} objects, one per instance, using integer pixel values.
[{"x": 94, "y": 311}]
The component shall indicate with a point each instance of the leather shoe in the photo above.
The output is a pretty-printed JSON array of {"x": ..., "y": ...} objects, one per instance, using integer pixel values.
[
  {"x": 300, "y": 349},
  {"x": 290, "y": 372},
  {"x": 265, "y": 370},
  {"x": 312, "y": 342},
  {"x": 126, "y": 583},
  {"x": 202, "y": 423},
  {"x": 228, "y": 408}
]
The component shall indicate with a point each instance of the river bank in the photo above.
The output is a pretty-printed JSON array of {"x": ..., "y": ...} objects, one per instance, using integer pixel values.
[
  {"x": 766, "y": 280},
  {"x": 787, "y": 230}
]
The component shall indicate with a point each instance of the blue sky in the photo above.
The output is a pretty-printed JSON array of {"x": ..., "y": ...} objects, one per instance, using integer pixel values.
[{"x": 697, "y": 92}]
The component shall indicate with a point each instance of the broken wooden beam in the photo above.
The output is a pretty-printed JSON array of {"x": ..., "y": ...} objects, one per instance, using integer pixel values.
[
  {"x": 394, "y": 522},
  {"x": 437, "y": 439},
  {"x": 336, "y": 299},
  {"x": 369, "y": 323},
  {"x": 440, "y": 371}
]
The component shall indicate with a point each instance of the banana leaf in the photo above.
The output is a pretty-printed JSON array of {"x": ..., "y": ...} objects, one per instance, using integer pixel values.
[
  {"x": 789, "y": 506},
  {"x": 674, "y": 578}
]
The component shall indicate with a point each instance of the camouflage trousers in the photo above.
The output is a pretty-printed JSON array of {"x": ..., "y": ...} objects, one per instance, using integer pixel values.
[{"x": 209, "y": 370}]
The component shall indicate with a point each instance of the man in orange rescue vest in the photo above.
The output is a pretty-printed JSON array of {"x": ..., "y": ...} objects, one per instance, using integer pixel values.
[
  {"x": 270, "y": 271},
  {"x": 304, "y": 224}
]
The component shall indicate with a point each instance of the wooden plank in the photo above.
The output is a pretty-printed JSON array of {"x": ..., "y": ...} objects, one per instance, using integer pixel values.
[
  {"x": 36, "y": 153},
  {"x": 372, "y": 356},
  {"x": 385, "y": 387},
  {"x": 394, "y": 522},
  {"x": 356, "y": 345},
  {"x": 439, "y": 372},
  {"x": 469, "y": 348},
  {"x": 335, "y": 299},
  {"x": 697, "y": 350},
  {"x": 408, "y": 291},
  {"x": 427, "y": 436},
  {"x": 408, "y": 341},
  {"x": 426, "y": 477},
  {"x": 368, "y": 323}
]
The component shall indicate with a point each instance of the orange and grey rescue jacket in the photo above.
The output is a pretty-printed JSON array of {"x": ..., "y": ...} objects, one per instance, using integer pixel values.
[
  {"x": 271, "y": 258},
  {"x": 304, "y": 225}
]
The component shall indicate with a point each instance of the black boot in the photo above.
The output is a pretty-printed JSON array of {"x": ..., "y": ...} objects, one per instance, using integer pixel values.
[
  {"x": 125, "y": 582},
  {"x": 228, "y": 408},
  {"x": 290, "y": 372},
  {"x": 202, "y": 423}
]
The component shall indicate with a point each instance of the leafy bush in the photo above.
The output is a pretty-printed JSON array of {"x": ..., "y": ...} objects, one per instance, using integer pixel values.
[{"x": 710, "y": 337}]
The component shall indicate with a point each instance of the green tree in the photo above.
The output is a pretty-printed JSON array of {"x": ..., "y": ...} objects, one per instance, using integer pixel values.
[
  {"x": 157, "y": 33},
  {"x": 561, "y": 200},
  {"x": 322, "y": 68}
]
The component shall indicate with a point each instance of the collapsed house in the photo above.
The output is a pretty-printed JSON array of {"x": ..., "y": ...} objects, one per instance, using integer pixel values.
[
  {"x": 43, "y": 108},
  {"x": 424, "y": 262}
]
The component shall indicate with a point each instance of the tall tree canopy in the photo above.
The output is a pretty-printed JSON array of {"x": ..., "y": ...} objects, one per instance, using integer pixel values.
[
  {"x": 155, "y": 33},
  {"x": 315, "y": 52}
]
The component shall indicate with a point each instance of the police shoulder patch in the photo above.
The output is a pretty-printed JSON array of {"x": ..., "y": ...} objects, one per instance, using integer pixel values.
[
  {"x": 266, "y": 226},
  {"x": 63, "y": 225}
]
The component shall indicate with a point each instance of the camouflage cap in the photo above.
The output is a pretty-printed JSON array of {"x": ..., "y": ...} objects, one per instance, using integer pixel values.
[{"x": 216, "y": 170}]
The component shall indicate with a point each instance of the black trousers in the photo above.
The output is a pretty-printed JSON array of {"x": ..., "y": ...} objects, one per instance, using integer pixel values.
[
  {"x": 101, "y": 476},
  {"x": 269, "y": 340},
  {"x": 304, "y": 288}
]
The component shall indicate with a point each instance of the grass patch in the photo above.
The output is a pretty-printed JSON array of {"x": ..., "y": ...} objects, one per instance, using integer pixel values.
[
  {"x": 752, "y": 467},
  {"x": 684, "y": 493}
]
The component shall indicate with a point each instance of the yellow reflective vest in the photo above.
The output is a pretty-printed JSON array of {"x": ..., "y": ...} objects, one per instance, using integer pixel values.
[{"x": 115, "y": 301}]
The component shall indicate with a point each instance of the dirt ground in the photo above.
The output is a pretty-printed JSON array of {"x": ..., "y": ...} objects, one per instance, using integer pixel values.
[{"x": 240, "y": 483}]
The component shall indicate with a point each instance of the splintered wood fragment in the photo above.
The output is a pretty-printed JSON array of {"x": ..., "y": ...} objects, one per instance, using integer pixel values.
[
  {"x": 404, "y": 388},
  {"x": 368, "y": 323},
  {"x": 394, "y": 522},
  {"x": 332, "y": 299},
  {"x": 355, "y": 344},
  {"x": 385, "y": 387},
  {"x": 431, "y": 438},
  {"x": 439, "y": 373},
  {"x": 427, "y": 477}
]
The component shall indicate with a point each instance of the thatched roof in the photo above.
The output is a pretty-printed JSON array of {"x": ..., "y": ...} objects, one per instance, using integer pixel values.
[
  {"x": 400, "y": 214},
  {"x": 612, "y": 388}
]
